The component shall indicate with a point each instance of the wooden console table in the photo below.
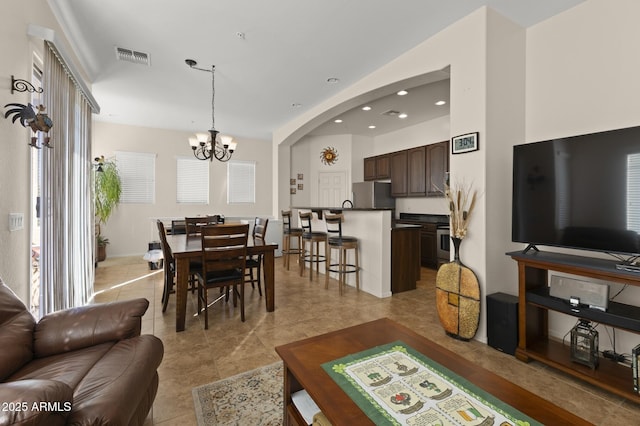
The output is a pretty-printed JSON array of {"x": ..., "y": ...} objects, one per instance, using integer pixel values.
[
  {"x": 535, "y": 304},
  {"x": 303, "y": 370}
]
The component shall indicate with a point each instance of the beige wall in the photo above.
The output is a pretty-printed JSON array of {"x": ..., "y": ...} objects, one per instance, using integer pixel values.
[
  {"x": 16, "y": 49},
  {"x": 582, "y": 77},
  {"x": 130, "y": 228}
]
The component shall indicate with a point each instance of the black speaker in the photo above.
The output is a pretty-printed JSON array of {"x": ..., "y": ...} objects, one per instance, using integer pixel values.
[{"x": 502, "y": 322}]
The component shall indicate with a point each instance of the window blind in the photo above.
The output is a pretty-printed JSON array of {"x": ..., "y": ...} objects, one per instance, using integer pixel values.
[
  {"x": 138, "y": 175},
  {"x": 633, "y": 192},
  {"x": 241, "y": 182},
  {"x": 192, "y": 185}
]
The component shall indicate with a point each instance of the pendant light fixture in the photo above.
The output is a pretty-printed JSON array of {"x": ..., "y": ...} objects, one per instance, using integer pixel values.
[{"x": 207, "y": 146}]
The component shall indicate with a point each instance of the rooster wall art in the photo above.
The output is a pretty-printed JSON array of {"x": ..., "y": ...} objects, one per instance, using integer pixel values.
[{"x": 39, "y": 122}]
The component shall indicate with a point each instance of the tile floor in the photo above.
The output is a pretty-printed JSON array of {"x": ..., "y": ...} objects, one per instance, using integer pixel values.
[{"x": 197, "y": 356}]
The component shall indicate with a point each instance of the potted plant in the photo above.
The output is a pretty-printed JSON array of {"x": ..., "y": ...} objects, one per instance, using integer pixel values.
[{"x": 108, "y": 188}]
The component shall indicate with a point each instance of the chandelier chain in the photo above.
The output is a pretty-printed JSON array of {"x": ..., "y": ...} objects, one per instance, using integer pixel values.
[{"x": 213, "y": 97}]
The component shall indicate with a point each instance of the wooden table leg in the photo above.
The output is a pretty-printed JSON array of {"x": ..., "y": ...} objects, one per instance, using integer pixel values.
[
  {"x": 269, "y": 279},
  {"x": 182, "y": 281}
]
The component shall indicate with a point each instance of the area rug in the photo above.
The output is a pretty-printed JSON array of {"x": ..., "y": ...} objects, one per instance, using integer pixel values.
[{"x": 251, "y": 398}]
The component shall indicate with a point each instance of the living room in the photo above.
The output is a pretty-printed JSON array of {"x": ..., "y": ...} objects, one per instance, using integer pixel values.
[{"x": 513, "y": 85}]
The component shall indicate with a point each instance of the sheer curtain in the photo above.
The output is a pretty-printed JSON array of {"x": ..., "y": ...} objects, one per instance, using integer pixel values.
[{"x": 67, "y": 241}]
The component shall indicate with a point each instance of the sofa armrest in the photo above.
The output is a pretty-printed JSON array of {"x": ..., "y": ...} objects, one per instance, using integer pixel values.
[
  {"x": 35, "y": 402},
  {"x": 89, "y": 325}
]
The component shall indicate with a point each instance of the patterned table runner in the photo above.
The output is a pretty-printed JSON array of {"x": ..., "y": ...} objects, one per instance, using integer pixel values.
[{"x": 394, "y": 384}]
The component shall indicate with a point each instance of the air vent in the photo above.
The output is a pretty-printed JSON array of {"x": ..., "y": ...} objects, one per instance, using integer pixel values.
[
  {"x": 132, "y": 56},
  {"x": 391, "y": 113}
]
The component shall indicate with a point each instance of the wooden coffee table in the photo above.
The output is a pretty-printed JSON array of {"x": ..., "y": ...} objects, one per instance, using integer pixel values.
[{"x": 302, "y": 370}]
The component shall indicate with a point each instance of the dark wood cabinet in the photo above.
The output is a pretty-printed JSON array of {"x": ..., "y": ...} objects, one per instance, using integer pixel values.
[
  {"x": 377, "y": 168},
  {"x": 416, "y": 171},
  {"x": 535, "y": 303},
  {"x": 405, "y": 258},
  {"x": 399, "y": 180},
  {"x": 370, "y": 168},
  {"x": 437, "y": 168},
  {"x": 429, "y": 246}
]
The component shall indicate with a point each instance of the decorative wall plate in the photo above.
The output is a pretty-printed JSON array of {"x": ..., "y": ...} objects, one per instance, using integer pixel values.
[{"x": 329, "y": 155}]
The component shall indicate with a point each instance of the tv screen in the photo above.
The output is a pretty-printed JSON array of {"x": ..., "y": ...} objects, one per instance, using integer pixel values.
[{"x": 580, "y": 192}]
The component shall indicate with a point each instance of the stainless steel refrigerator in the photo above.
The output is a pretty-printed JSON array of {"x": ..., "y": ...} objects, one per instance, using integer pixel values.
[{"x": 372, "y": 195}]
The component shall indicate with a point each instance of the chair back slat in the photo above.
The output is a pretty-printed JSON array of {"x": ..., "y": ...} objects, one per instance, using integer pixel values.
[
  {"x": 193, "y": 224},
  {"x": 178, "y": 227},
  {"x": 334, "y": 224},
  {"x": 305, "y": 221},
  {"x": 224, "y": 247},
  {"x": 286, "y": 220},
  {"x": 260, "y": 228}
]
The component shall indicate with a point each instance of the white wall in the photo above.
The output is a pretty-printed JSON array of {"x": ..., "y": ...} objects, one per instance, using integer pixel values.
[
  {"x": 130, "y": 228},
  {"x": 305, "y": 159},
  {"x": 582, "y": 77},
  {"x": 16, "y": 49}
]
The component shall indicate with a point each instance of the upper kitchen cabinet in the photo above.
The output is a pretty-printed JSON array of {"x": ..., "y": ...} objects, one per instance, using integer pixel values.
[
  {"x": 378, "y": 167},
  {"x": 399, "y": 177},
  {"x": 437, "y": 168},
  {"x": 416, "y": 172}
]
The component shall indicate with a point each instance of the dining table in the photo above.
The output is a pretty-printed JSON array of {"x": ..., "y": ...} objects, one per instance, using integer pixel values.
[{"x": 187, "y": 248}]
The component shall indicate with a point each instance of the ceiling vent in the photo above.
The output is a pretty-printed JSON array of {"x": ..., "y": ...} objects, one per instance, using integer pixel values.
[
  {"x": 132, "y": 56},
  {"x": 391, "y": 113}
]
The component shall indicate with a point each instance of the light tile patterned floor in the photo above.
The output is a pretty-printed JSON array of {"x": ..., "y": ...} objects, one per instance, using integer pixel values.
[{"x": 303, "y": 309}]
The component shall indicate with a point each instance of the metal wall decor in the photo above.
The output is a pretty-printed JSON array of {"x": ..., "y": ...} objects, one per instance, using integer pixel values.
[
  {"x": 329, "y": 155},
  {"x": 20, "y": 85},
  {"x": 38, "y": 122}
]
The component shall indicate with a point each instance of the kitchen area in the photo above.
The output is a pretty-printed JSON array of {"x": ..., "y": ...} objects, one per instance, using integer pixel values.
[{"x": 396, "y": 241}]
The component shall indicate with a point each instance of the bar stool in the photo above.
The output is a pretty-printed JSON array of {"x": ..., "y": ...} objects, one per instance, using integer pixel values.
[
  {"x": 342, "y": 243},
  {"x": 289, "y": 233},
  {"x": 313, "y": 238}
]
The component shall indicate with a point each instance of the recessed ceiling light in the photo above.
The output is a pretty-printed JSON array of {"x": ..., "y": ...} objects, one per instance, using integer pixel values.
[
  {"x": 372, "y": 127},
  {"x": 337, "y": 121},
  {"x": 402, "y": 93},
  {"x": 439, "y": 103},
  {"x": 333, "y": 80},
  {"x": 366, "y": 108},
  {"x": 403, "y": 115}
]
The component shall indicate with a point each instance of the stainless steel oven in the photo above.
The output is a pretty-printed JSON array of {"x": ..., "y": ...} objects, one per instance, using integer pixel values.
[{"x": 444, "y": 242}]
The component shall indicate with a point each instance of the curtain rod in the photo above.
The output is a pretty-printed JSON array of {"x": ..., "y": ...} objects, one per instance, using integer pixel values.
[{"x": 56, "y": 44}]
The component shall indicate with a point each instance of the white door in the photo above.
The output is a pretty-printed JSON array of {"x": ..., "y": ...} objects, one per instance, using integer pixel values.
[{"x": 332, "y": 188}]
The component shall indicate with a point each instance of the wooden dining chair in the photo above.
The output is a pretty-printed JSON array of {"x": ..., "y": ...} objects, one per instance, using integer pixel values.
[
  {"x": 193, "y": 224},
  {"x": 224, "y": 257},
  {"x": 169, "y": 266},
  {"x": 254, "y": 263}
]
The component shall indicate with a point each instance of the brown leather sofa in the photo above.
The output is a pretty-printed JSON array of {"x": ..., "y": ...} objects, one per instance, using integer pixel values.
[{"x": 81, "y": 366}]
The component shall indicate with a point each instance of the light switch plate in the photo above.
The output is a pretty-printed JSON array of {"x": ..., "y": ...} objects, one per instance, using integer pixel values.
[{"x": 16, "y": 221}]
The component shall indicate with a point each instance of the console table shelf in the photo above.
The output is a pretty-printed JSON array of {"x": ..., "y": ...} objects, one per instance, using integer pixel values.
[{"x": 535, "y": 303}]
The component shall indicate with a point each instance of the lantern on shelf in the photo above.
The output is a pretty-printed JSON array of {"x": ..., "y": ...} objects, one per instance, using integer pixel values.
[{"x": 584, "y": 344}]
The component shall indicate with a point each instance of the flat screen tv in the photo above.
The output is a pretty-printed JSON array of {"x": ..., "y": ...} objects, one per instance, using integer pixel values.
[{"x": 579, "y": 192}]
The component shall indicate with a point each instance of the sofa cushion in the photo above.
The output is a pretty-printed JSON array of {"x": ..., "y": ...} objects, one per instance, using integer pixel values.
[
  {"x": 35, "y": 402},
  {"x": 16, "y": 332},
  {"x": 89, "y": 325},
  {"x": 122, "y": 375},
  {"x": 68, "y": 368}
]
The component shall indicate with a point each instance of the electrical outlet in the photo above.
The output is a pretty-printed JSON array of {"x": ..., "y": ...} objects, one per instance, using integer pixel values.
[{"x": 16, "y": 221}]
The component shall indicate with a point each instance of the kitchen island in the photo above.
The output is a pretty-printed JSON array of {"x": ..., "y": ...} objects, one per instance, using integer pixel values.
[{"x": 389, "y": 254}]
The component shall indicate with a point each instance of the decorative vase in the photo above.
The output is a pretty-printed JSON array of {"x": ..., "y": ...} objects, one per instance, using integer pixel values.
[{"x": 458, "y": 297}]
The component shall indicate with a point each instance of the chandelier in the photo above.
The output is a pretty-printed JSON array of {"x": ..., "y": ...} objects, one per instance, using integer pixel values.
[{"x": 207, "y": 146}]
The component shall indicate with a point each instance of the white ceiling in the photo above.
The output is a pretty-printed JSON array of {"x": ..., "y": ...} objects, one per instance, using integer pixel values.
[{"x": 286, "y": 52}]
